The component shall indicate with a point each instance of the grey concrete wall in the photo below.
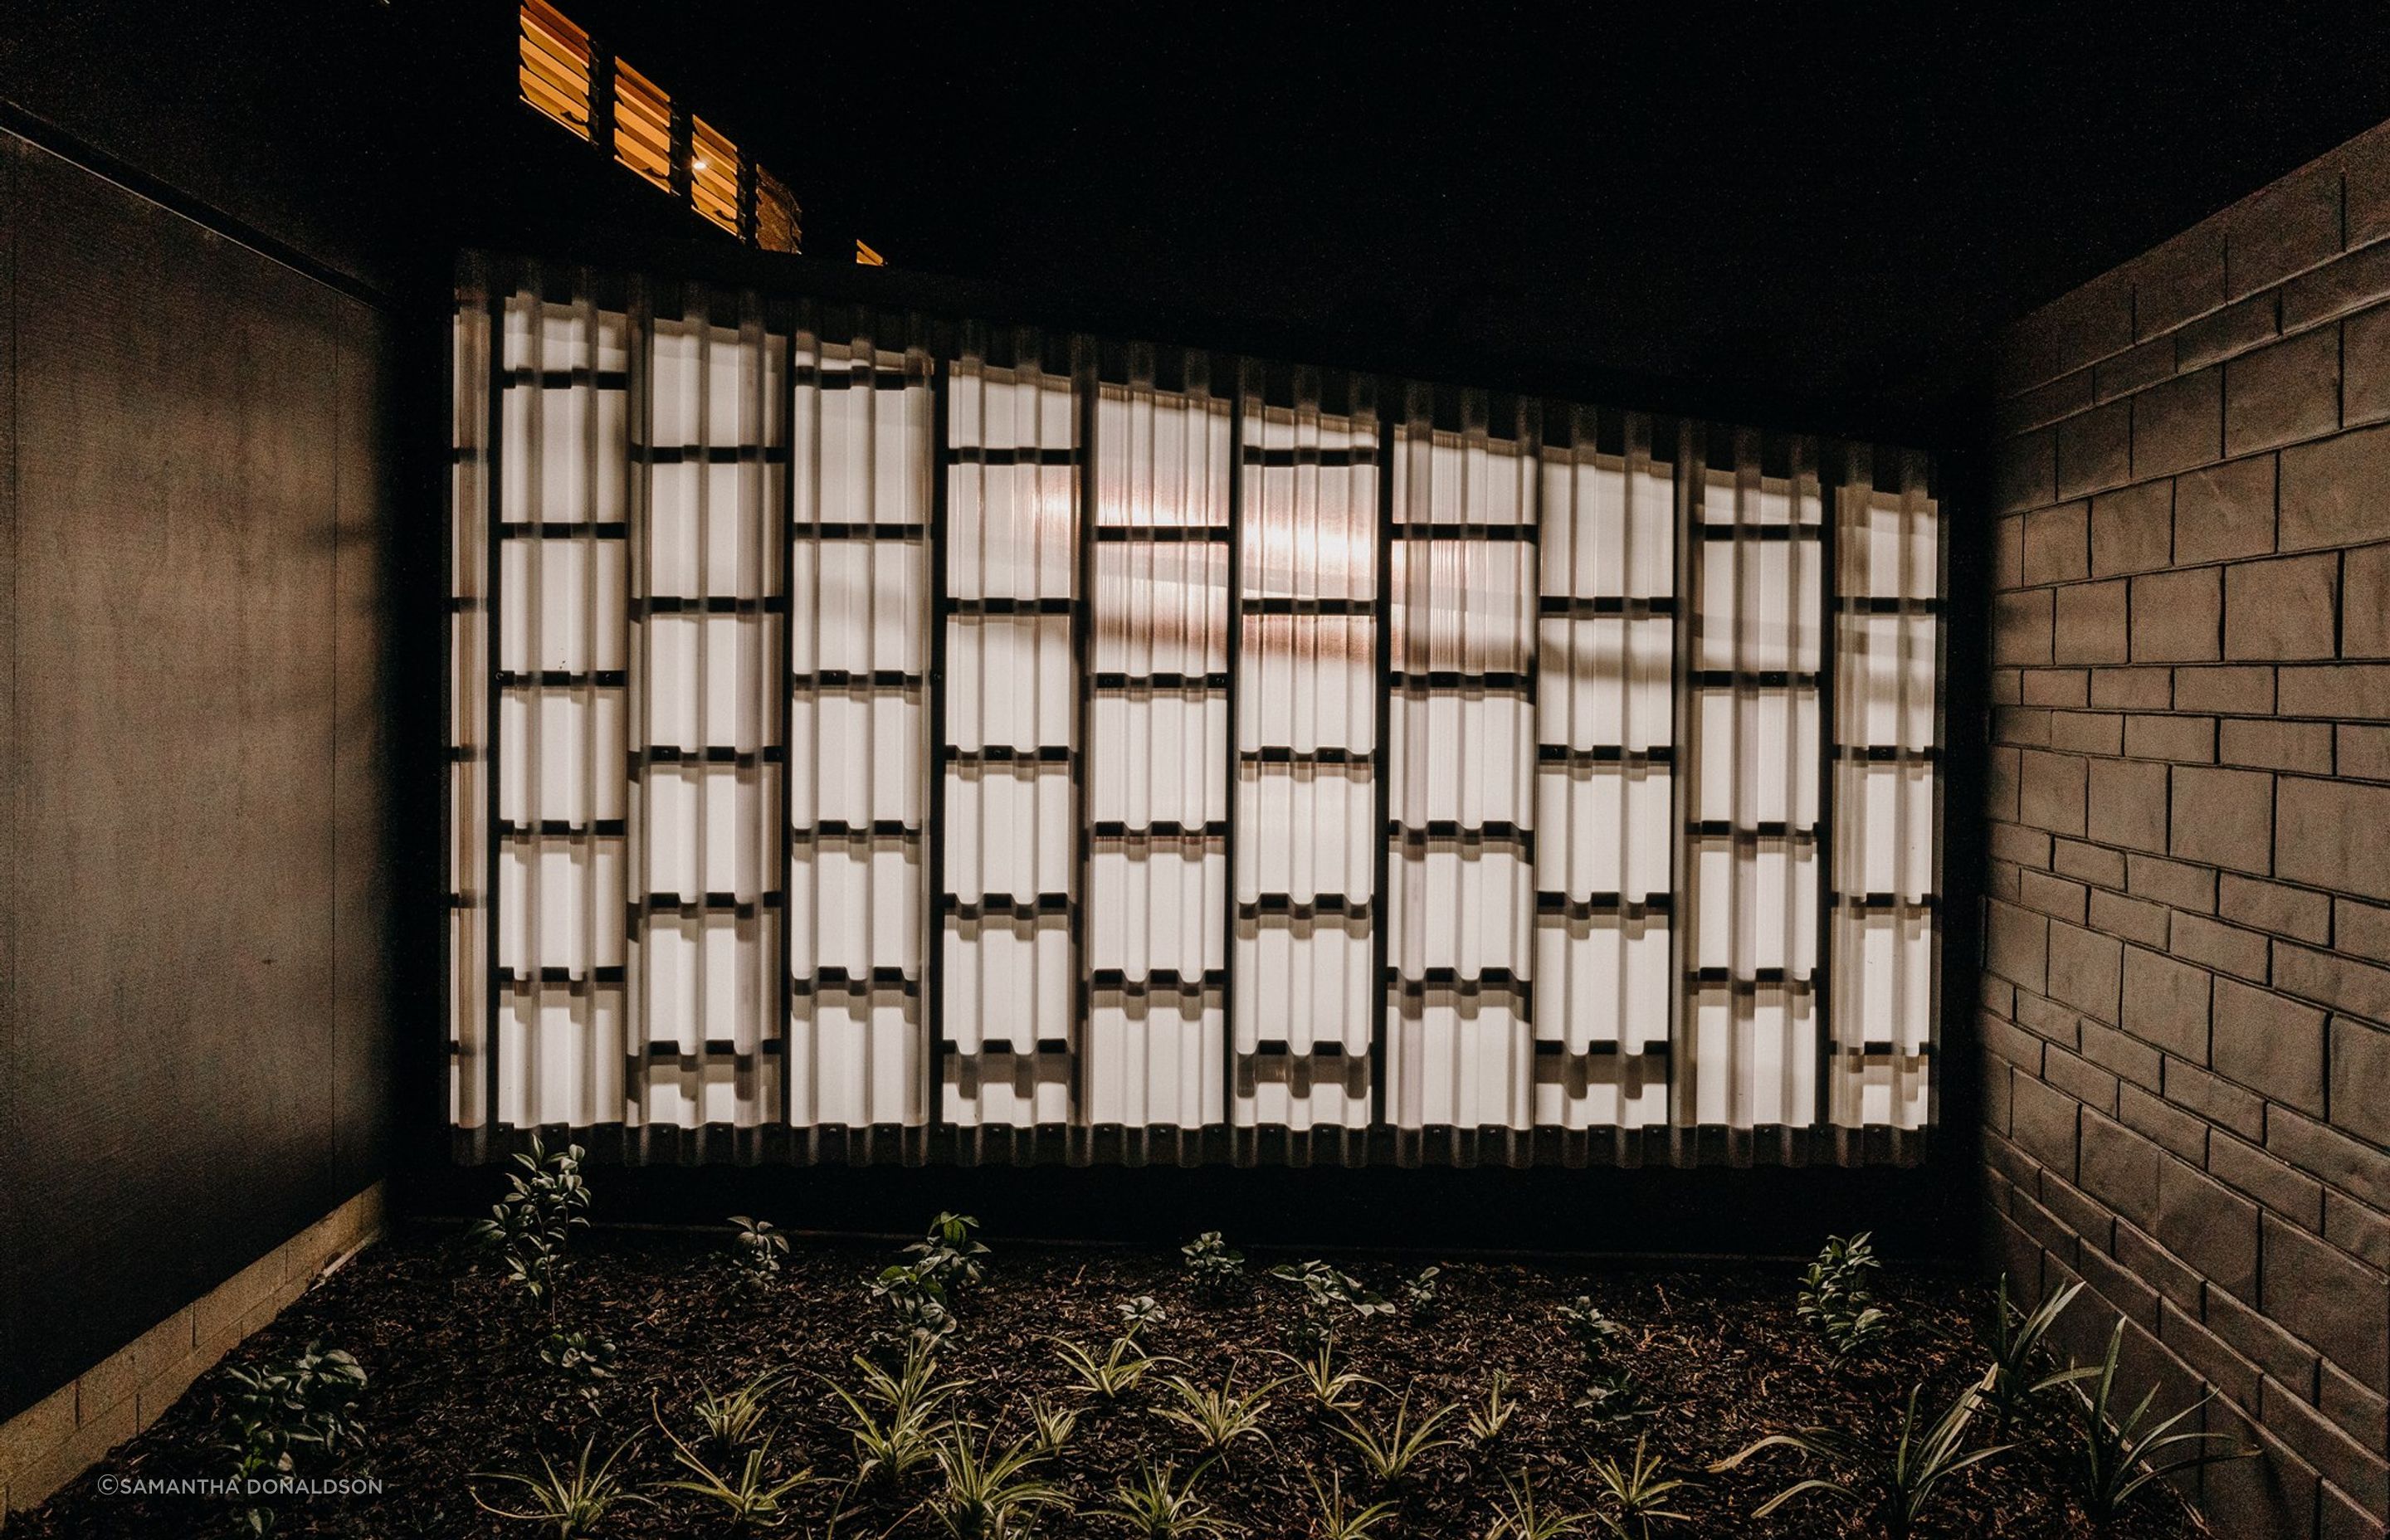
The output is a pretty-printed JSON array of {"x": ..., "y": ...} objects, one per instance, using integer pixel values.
[
  {"x": 194, "y": 1046},
  {"x": 2187, "y": 931}
]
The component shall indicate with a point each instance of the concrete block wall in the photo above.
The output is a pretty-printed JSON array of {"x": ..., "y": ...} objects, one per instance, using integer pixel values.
[
  {"x": 2185, "y": 997},
  {"x": 66, "y": 1432}
]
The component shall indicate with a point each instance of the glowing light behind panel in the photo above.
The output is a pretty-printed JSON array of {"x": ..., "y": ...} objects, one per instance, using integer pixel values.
[{"x": 880, "y": 736}]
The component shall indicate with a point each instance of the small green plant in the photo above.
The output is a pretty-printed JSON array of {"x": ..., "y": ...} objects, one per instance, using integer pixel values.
[
  {"x": 1518, "y": 1518},
  {"x": 948, "y": 1256},
  {"x": 2015, "y": 1343},
  {"x": 1615, "y": 1395},
  {"x": 755, "y": 1251},
  {"x": 1211, "y": 1266},
  {"x": 1390, "y": 1450},
  {"x": 990, "y": 1492},
  {"x": 1113, "y": 1376},
  {"x": 1488, "y": 1421},
  {"x": 917, "y": 1301},
  {"x": 894, "y": 1419},
  {"x": 1141, "y": 1314},
  {"x": 2117, "y": 1456},
  {"x": 1339, "y": 1521},
  {"x": 285, "y": 1411},
  {"x": 1594, "y": 1332},
  {"x": 1894, "y": 1485},
  {"x": 572, "y": 1502},
  {"x": 1637, "y": 1492},
  {"x": 732, "y": 1421},
  {"x": 1834, "y": 1298},
  {"x": 1218, "y": 1418},
  {"x": 1423, "y": 1295},
  {"x": 1332, "y": 1389},
  {"x": 1051, "y": 1425},
  {"x": 584, "y": 1360},
  {"x": 748, "y": 1498},
  {"x": 532, "y": 1226},
  {"x": 1157, "y": 1506},
  {"x": 1328, "y": 1298}
]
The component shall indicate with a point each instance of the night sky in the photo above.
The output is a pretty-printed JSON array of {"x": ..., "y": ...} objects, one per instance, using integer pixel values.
[{"x": 1803, "y": 201}]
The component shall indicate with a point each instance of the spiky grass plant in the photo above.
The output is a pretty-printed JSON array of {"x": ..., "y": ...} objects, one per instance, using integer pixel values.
[
  {"x": 1894, "y": 1485},
  {"x": 1391, "y": 1450}
]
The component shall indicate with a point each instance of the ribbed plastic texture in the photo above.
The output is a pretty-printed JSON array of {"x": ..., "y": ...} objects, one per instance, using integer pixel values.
[{"x": 883, "y": 738}]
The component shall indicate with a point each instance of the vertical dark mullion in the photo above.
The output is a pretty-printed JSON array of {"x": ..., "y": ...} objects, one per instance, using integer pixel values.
[
  {"x": 1084, "y": 388},
  {"x": 1235, "y": 640},
  {"x": 934, "y": 807},
  {"x": 783, "y": 528},
  {"x": 1918, "y": 482},
  {"x": 1691, "y": 470},
  {"x": 495, "y": 508},
  {"x": 1530, "y": 435},
  {"x": 1832, "y": 470},
  {"x": 1381, "y": 854}
]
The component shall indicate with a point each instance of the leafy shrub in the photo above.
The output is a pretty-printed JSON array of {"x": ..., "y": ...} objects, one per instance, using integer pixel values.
[
  {"x": 948, "y": 1257},
  {"x": 1328, "y": 1298},
  {"x": 286, "y": 1411},
  {"x": 580, "y": 1358},
  {"x": 2117, "y": 1456},
  {"x": 1211, "y": 1266},
  {"x": 1615, "y": 1395},
  {"x": 1594, "y": 1332},
  {"x": 531, "y": 1225},
  {"x": 572, "y": 1502},
  {"x": 1141, "y": 1313},
  {"x": 1834, "y": 1298},
  {"x": 1893, "y": 1484},
  {"x": 756, "y": 1250},
  {"x": 1423, "y": 1295},
  {"x": 917, "y": 1300}
]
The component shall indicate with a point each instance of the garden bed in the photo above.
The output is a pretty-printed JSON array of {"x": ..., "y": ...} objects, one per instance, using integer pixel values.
[{"x": 457, "y": 1384}]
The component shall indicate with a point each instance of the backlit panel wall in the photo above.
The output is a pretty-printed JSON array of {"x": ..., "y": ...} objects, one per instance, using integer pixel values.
[
  {"x": 882, "y": 737},
  {"x": 859, "y": 732}
]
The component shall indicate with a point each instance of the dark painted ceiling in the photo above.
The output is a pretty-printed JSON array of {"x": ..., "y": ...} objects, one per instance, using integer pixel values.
[
  {"x": 1815, "y": 202},
  {"x": 1825, "y": 207}
]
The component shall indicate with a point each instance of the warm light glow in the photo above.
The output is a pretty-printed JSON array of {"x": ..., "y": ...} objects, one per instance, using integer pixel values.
[
  {"x": 553, "y": 72},
  {"x": 867, "y": 257}
]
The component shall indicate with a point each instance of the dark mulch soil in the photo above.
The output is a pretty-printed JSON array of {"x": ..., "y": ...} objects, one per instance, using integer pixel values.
[{"x": 458, "y": 1386}]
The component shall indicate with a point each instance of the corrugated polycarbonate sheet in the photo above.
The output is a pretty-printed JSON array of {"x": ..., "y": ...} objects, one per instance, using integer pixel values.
[{"x": 876, "y": 737}]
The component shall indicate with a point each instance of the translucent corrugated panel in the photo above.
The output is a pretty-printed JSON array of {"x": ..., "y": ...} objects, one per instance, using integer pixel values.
[
  {"x": 1014, "y": 655},
  {"x": 1888, "y": 605},
  {"x": 1747, "y": 1057},
  {"x": 1604, "y": 747},
  {"x": 1157, "y": 774},
  {"x": 708, "y": 746},
  {"x": 1462, "y": 732},
  {"x": 1309, "y": 809},
  {"x": 859, "y": 734},
  {"x": 882, "y": 738}
]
